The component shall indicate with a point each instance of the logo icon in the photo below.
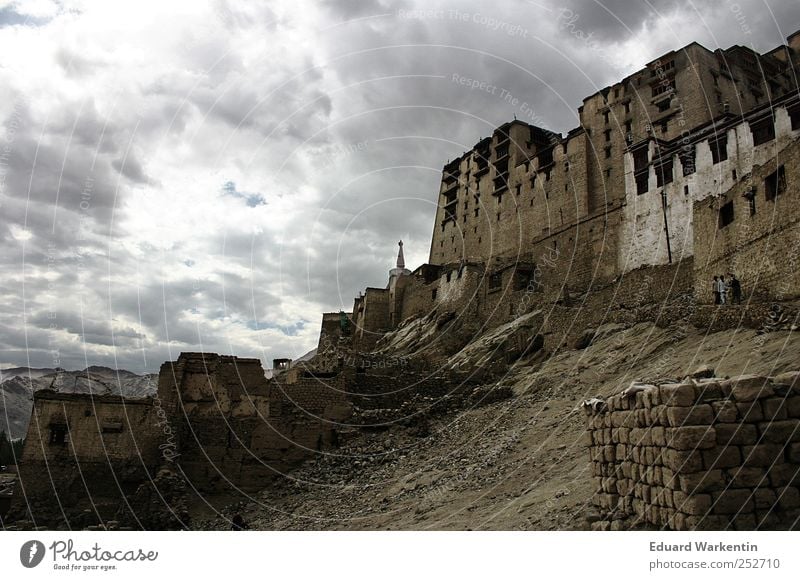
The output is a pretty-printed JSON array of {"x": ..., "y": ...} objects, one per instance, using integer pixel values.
[{"x": 32, "y": 553}]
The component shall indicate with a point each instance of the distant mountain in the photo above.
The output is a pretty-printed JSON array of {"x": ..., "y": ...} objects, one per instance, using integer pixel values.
[
  {"x": 19, "y": 384},
  {"x": 26, "y": 372}
]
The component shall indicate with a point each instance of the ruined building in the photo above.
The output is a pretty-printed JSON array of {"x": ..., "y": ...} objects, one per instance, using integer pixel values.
[{"x": 216, "y": 422}]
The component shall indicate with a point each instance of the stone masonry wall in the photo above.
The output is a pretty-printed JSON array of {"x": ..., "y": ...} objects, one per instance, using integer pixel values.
[
  {"x": 761, "y": 244},
  {"x": 715, "y": 454}
]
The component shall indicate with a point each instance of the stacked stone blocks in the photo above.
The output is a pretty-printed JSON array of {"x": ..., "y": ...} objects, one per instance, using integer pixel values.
[{"x": 719, "y": 454}]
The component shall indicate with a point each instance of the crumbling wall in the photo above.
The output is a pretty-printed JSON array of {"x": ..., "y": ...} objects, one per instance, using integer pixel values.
[
  {"x": 83, "y": 455},
  {"x": 304, "y": 418},
  {"x": 703, "y": 454},
  {"x": 371, "y": 317},
  {"x": 218, "y": 402},
  {"x": 237, "y": 430}
]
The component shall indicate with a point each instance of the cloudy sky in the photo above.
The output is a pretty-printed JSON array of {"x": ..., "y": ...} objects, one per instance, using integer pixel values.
[{"x": 213, "y": 176}]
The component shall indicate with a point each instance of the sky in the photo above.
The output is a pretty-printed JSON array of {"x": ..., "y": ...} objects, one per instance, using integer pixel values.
[{"x": 212, "y": 176}]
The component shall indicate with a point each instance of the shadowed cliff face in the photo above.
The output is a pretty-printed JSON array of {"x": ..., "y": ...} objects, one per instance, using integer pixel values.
[{"x": 19, "y": 384}]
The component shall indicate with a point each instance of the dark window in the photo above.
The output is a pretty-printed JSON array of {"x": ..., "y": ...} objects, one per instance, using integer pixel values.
[
  {"x": 794, "y": 115},
  {"x": 477, "y": 211},
  {"x": 751, "y": 200},
  {"x": 641, "y": 183},
  {"x": 628, "y": 126},
  {"x": 607, "y": 133},
  {"x": 685, "y": 190},
  {"x": 449, "y": 276},
  {"x": 663, "y": 105},
  {"x": 495, "y": 280},
  {"x": 664, "y": 173},
  {"x": 719, "y": 149},
  {"x": 545, "y": 157},
  {"x": 58, "y": 434},
  {"x": 628, "y": 107},
  {"x": 433, "y": 294},
  {"x": 775, "y": 184},
  {"x": 112, "y": 426},
  {"x": 605, "y": 117},
  {"x": 725, "y": 214},
  {"x": 608, "y": 152},
  {"x": 640, "y": 159},
  {"x": 665, "y": 86},
  {"x": 608, "y": 173},
  {"x": 522, "y": 279},
  {"x": 686, "y": 155},
  {"x": 763, "y": 131},
  {"x": 518, "y": 189}
]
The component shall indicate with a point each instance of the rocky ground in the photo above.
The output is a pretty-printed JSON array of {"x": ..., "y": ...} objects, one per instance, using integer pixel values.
[{"x": 517, "y": 464}]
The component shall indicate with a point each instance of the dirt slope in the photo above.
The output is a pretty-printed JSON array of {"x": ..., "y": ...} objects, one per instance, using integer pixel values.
[{"x": 517, "y": 464}]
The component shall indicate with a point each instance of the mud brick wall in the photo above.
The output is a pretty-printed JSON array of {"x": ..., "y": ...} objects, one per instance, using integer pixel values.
[
  {"x": 108, "y": 447},
  {"x": 715, "y": 454},
  {"x": 236, "y": 429}
]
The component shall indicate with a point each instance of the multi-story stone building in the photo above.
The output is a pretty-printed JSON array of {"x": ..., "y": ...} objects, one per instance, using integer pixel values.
[{"x": 527, "y": 209}]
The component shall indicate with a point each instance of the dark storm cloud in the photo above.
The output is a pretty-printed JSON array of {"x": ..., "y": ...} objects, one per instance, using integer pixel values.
[
  {"x": 618, "y": 20},
  {"x": 131, "y": 167},
  {"x": 90, "y": 330}
]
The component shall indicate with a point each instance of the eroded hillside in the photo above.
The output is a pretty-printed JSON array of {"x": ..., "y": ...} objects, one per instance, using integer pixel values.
[{"x": 519, "y": 463}]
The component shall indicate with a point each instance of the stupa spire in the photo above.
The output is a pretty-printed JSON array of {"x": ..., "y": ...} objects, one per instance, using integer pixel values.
[{"x": 401, "y": 262}]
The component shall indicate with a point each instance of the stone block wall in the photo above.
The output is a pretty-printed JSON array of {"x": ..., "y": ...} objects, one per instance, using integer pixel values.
[{"x": 715, "y": 454}]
